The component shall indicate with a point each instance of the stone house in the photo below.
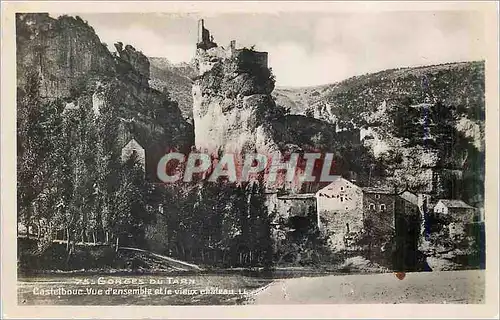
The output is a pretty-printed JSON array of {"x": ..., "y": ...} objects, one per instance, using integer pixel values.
[
  {"x": 340, "y": 206},
  {"x": 378, "y": 209},
  {"x": 350, "y": 212},
  {"x": 291, "y": 205},
  {"x": 457, "y": 208},
  {"x": 417, "y": 207},
  {"x": 457, "y": 214},
  {"x": 133, "y": 148}
]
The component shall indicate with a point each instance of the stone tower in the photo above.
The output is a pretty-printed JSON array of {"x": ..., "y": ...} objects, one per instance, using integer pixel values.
[{"x": 205, "y": 41}]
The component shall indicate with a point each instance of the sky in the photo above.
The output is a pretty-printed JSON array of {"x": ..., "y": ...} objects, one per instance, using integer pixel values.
[{"x": 308, "y": 48}]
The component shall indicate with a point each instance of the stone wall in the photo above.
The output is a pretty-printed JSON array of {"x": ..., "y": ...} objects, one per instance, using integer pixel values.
[{"x": 342, "y": 227}]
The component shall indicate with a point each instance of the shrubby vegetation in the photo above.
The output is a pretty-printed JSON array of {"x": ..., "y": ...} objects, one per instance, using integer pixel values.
[
  {"x": 73, "y": 186},
  {"x": 71, "y": 183}
]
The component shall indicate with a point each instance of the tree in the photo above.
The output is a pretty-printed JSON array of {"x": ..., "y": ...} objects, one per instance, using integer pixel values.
[
  {"x": 133, "y": 212},
  {"x": 38, "y": 132}
]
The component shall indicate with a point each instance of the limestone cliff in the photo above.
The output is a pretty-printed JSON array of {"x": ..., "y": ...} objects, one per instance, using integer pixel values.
[
  {"x": 232, "y": 103},
  {"x": 75, "y": 67},
  {"x": 65, "y": 51},
  {"x": 234, "y": 111}
]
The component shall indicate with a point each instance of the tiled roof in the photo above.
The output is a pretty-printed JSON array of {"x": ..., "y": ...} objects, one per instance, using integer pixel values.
[
  {"x": 335, "y": 179},
  {"x": 455, "y": 203},
  {"x": 376, "y": 190}
]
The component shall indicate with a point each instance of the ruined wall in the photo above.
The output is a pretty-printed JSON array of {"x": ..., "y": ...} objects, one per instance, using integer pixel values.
[{"x": 289, "y": 206}]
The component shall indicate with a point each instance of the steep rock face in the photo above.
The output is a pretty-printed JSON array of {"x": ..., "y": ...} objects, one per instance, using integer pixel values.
[
  {"x": 74, "y": 66},
  {"x": 136, "y": 59},
  {"x": 66, "y": 52},
  {"x": 234, "y": 111},
  {"x": 232, "y": 105}
]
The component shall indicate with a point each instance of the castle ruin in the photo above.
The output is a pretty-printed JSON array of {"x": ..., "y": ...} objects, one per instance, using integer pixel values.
[{"x": 231, "y": 97}]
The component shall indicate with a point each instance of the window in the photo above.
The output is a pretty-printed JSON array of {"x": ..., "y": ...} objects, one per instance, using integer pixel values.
[
  {"x": 382, "y": 207},
  {"x": 341, "y": 188},
  {"x": 377, "y": 196},
  {"x": 372, "y": 206},
  {"x": 347, "y": 208},
  {"x": 341, "y": 199}
]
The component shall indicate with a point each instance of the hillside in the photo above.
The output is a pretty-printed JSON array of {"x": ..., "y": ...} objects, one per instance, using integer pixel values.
[
  {"x": 412, "y": 120},
  {"x": 458, "y": 84},
  {"x": 78, "y": 106},
  {"x": 174, "y": 79},
  {"x": 78, "y": 71},
  {"x": 373, "y": 102}
]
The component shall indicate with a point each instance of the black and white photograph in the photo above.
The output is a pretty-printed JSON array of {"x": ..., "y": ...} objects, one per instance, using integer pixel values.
[{"x": 250, "y": 158}]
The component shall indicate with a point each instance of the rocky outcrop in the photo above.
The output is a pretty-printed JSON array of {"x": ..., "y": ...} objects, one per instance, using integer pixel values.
[
  {"x": 232, "y": 103},
  {"x": 435, "y": 144},
  {"x": 134, "y": 63},
  {"x": 234, "y": 110},
  {"x": 74, "y": 66},
  {"x": 65, "y": 51}
]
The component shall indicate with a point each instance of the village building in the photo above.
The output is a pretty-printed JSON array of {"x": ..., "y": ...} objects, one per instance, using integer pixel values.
[
  {"x": 457, "y": 213},
  {"x": 340, "y": 206},
  {"x": 291, "y": 205},
  {"x": 456, "y": 208},
  {"x": 348, "y": 212},
  {"x": 134, "y": 149},
  {"x": 410, "y": 204},
  {"x": 378, "y": 209},
  {"x": 415, "y": 206}
]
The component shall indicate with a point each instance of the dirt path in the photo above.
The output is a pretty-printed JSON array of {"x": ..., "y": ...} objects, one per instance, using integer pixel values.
[
  {"x": 424, "y": 287},
  {"x": 176, "y": 264}
]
